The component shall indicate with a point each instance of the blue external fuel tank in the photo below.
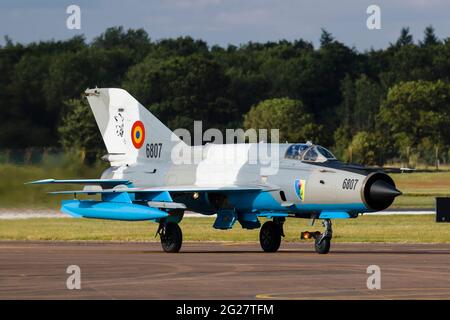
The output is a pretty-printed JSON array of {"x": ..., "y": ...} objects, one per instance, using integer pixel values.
[{"x": 111, "y": 210}]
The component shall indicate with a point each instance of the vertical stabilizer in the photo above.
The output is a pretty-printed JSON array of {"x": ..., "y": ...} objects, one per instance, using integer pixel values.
[{"x": 130, "y": 132}]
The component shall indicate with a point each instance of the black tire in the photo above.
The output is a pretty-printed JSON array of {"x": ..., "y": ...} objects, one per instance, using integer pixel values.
[
  {"x": 324, "y": 246},
  {"x": 270, "y": 236},
  {"x": 172, "y": 238}
]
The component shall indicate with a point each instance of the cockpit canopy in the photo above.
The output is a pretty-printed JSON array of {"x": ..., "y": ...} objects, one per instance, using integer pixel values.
[{"x": 309, "y": 152}]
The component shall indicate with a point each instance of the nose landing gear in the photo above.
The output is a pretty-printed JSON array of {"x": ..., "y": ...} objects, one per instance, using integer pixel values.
[{"x": 323, "y": 242}]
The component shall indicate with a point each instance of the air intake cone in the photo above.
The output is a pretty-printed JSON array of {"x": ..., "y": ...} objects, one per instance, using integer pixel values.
[
  {"x": 382, "y": 191},
  {"x": 379, "y": 191}
]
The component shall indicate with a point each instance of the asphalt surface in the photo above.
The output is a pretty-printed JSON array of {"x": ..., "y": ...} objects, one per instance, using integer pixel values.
[{"x": 37, "y": 270}]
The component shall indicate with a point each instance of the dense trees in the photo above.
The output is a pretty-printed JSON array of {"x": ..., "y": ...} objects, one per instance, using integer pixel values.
[
  {"x": 289, "y": 116},
  {"x": 368, "y": 106},
  {"x": 416, "y": 116},
  {"x": 182, "y": 89},
  {"x": 79, "y": 132}
]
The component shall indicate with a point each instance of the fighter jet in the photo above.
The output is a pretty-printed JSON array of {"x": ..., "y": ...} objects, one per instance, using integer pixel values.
[{"x": 144, "y": 182}]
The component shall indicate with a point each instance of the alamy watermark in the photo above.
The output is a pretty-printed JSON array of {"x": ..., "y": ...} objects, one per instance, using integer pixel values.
[
  {"x": 373, "y": 22},
  {"x": 374, "y": 280},
  {"x": 73, "y": 282},
  {"x": 73, "y": 21},
  {"x": 238, "y": 147}
]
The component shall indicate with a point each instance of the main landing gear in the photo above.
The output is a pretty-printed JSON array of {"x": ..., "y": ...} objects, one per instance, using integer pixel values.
[
  {"x": 270, "y": 235},
  {"x": 171, "y": 237}
]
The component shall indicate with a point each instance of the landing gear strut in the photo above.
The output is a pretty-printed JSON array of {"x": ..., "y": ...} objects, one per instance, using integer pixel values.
[
  {"x": 323, "y": 242},
  {"x": 171, "y": 237},
  {"x": 270, "y": 235}
]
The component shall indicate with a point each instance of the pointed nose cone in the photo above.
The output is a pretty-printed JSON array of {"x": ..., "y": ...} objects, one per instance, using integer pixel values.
[{"x": 382, "y": 191}]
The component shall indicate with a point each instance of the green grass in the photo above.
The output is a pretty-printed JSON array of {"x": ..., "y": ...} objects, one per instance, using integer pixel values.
[
  {"x": 414, "y": 202},
  {"x": 15, "y": 193},
  {"x": 408, "y": 229},
  {"x": 423, "y": 182},
  {"x": 420, "y": 189}
]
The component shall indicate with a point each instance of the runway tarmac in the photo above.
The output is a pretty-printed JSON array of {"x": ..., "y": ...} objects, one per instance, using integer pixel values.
[{"x": 37, "y": 270}]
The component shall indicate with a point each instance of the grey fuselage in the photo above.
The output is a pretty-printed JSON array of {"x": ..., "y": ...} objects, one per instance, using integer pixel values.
[{"x": 286, "y": 185}]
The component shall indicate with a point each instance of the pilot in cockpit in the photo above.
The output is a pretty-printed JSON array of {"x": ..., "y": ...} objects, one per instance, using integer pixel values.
[{"x": 309, "y": 152}]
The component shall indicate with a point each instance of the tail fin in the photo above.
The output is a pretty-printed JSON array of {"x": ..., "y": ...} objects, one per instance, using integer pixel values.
[{"x": 130, "y": 132}]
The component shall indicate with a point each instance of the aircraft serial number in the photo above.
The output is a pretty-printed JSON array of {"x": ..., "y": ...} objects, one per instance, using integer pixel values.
[
  {"x": 153, "y": 150},
  {"x": 349, "y": 184}
]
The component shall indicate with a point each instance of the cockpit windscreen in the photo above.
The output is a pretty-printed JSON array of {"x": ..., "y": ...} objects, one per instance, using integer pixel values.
[
  {"x": 296, "y": 151},
  {"x": 308, "y": 152}
]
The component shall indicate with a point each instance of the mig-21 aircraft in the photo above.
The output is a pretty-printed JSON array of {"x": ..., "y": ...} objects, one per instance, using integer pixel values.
[{"x": 144, "y": 182}]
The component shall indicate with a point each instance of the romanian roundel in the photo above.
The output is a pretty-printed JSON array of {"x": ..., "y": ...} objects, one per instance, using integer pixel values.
[{"x": 138, "y": 134}]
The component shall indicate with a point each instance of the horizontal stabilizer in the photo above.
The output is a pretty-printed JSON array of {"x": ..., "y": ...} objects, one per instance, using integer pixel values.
[{"x": 102, "y": 182}]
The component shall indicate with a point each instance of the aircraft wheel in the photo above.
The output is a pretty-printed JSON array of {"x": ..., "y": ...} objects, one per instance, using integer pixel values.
[
  {"x": 324, "y": 246},
  {"x": 270, "y": 236},
  {"x": 171, "y": 238}
]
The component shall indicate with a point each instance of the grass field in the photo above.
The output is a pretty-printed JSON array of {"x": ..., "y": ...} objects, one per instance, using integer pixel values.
[
  {"x": 14, "y": 193},
  {"x": 399, "y": 228},
  {"x": 420, "y": 189}
]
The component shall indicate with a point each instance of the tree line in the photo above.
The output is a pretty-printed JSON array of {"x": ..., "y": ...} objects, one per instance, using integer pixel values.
[{"x": 370, "y": 107}]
